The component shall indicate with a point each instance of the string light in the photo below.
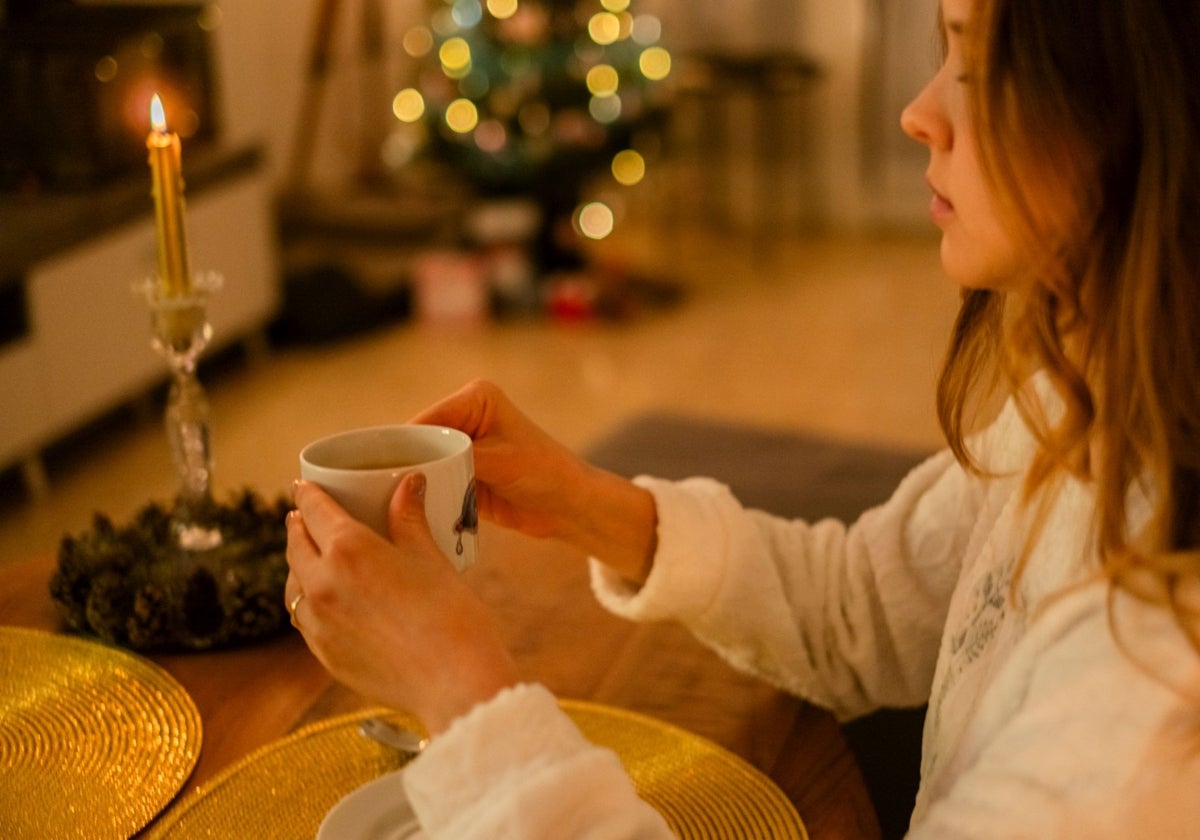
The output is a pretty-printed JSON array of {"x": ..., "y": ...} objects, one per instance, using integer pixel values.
[
  {"x": 602, "y": 80},
  {"x": 628, "y": 167},
  {"x": 604, "y": 28},
  {"x": 503, "y": 96},
  {"x": 595, "y": 220},
  {"x": 502, "y": 9},
  {"x": 455, "y": 55},
  {"x": 605, "y": 109},
  {"x": 462, "y": 116},
  {"x": 467, "y": 13},
  {"x": 655, "y": 63},
  {"x": 408, "y": 105}
]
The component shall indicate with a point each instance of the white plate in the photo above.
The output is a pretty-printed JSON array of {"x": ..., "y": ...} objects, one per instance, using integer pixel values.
[{"x": 378, "y": 810}]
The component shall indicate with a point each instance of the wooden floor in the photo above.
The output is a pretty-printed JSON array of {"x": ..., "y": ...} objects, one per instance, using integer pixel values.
[{"x": 838, "y": 335}]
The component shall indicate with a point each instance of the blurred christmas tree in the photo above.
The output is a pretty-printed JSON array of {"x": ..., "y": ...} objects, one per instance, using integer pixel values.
[{"x": 535, "y": 98}]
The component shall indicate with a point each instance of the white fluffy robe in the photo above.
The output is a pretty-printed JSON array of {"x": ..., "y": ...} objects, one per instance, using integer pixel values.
[{"x": 1040, "y": 724}]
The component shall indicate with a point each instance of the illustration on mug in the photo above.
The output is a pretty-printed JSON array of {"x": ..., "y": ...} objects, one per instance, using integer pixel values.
[{"x": 469, "y": 519}]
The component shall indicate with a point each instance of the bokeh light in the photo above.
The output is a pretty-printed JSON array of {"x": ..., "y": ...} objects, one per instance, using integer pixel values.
[
  {"x": 602, "y": 80},
  {"x": 615, "y": 5},
  {"x": 455, "y": 55},
  {"x": 107, "y": 68},
  {"x": 655, "y": 63},
  {"x": 594, "y": 220},
  {"x": 604, "y": 28},
  {"x": 502, "y": 9},
  {"x": 605, "y": 109},
  {"x": 491, "y": 136},
  {"x": 647, "y": 29},
  {"x": 408, "y": 105},
  {"x": 628, "y": 167},
  {"x": 467, "y": 13},
  {"x": 462, "y": 115},
  {"x": 417, "y": 41}
]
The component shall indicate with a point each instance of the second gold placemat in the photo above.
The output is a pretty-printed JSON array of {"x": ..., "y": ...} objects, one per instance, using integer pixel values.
[{"x": 285, "y": 789}]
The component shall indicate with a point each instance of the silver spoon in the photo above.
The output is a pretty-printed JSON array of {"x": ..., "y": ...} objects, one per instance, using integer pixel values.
[{"x": 385, "y": 733}]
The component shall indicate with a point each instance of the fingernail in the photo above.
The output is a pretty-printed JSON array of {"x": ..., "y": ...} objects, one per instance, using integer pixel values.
[{"x": 417, "y": 483}]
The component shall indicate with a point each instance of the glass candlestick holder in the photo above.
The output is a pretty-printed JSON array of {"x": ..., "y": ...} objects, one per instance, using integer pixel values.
[
  {"x": 179, "y": 333},
  {"x": 194, "y": 573}
]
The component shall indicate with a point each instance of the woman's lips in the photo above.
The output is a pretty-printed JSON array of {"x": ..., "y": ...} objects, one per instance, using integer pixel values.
[{"x": 940, "y": 208}]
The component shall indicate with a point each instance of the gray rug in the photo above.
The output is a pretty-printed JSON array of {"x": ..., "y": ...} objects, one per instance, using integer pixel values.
[
  {"x": 792, "y": 475},
  {"x": 788, "y": 474}
]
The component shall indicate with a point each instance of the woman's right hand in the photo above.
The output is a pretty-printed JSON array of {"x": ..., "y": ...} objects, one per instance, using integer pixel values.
[
  {"x": 521, "y": 473},
  {"x": 528, "y": 481}
]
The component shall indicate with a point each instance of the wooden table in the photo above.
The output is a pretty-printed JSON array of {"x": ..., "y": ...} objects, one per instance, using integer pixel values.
[{"x": 562, "y": 638}]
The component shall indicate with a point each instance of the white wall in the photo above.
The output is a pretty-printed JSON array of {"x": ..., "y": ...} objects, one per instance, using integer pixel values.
[{"x": 261, "y": 53}]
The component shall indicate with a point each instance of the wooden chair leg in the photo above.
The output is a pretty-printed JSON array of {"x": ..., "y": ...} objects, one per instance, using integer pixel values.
[{"x": 309, "y": 119}]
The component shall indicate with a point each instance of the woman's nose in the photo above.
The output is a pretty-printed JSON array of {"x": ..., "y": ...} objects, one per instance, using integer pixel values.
[{"x": 923, "y": 120}]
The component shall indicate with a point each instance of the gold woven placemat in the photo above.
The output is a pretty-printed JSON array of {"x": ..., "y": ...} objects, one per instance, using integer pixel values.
[
  {"x": 94, "y": 740},
  {"x": 702, "y": 790},
  {"x": 285, "y": 789}
]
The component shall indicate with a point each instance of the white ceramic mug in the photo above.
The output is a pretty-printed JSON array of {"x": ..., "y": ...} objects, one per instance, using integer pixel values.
[{"x": 360, "y": 469}]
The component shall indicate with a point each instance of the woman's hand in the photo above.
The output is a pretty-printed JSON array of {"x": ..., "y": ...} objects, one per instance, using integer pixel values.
[
  {"x": 393, "y": 621},
  {"x": 528, "y": 481},
  {"x": 521, "y": 473}
]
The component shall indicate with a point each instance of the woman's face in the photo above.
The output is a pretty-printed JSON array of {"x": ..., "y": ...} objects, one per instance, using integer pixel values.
[{"x": 976, "y": 250}]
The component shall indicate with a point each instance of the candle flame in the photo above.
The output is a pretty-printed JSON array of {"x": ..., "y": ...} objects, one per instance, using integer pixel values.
[{"x": 158, "y": 117}]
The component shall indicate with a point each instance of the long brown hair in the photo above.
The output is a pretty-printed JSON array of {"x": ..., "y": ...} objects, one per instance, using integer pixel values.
[{"x": 1087, "y": 115}]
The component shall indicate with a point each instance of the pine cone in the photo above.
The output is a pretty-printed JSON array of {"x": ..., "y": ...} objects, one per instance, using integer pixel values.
[
  {"x": 108, "y": 602},
  {"x": 149, "y": 623}
]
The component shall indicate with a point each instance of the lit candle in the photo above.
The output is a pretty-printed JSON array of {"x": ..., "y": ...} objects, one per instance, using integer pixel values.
[{"x": 174, "y": 274}]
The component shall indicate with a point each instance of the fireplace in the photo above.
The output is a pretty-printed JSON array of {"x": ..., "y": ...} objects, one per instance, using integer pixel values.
[{"x": 75, "y": 85}]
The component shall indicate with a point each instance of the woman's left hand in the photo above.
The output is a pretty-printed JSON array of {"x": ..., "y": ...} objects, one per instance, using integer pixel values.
[{"x": 392, "y": 620}]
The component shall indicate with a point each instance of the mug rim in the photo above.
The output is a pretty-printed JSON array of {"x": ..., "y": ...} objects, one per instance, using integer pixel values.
[{"x": 462, "y": 439}]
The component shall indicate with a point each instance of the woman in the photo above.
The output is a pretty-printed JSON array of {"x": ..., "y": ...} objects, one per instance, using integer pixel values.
[{"x": 1038, "y": 583}]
